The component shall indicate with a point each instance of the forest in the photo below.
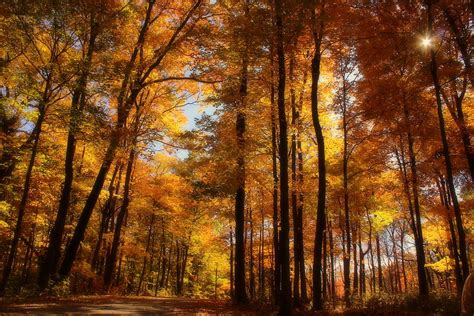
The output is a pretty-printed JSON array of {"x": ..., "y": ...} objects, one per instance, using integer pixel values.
[{"x": 294, "y": 155}]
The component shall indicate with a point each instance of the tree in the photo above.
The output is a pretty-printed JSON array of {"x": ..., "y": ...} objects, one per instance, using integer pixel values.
[
  {"x": 125, "y": 101},
  {"x": 317, "y": 24}
]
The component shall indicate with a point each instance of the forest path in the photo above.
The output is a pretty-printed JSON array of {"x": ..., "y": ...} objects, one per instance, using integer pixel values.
[{"x": 116, "y": 305}]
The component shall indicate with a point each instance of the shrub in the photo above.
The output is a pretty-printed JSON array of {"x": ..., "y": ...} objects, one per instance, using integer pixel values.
[
  {"x": 435, "y": 303},
  {"x": 60, "y": 289}
]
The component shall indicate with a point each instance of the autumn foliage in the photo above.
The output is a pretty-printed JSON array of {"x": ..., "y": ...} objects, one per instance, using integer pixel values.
[{"x": 301, "y": 154}]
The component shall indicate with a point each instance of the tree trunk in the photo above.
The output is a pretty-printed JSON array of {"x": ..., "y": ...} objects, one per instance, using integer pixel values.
[
  {"x": 419, "y": 242},
  {"x": 444, "y": 197},
  {"x": 261, "y": 255},
  {"x": 285, "y": 293},
  {"x": 112, "y": 258},
  {"x": 325, "y": 267},
  {"x": 105, "y": 214},
  {"x": 145, "y": 258},
  {"x": 321, "y": 208},
  {"x": 252, "y": 262},
  {"x": 446, "y": 152},
  {"x": 379, "y": 262},
  {"x": 302, "y": 269},
  {"x": 347, "y": 223},
  {"x": 402, "y": 253},
  {"x": 50, "y": 262},
  {"x": 294, "y": 201},
  {"x": 276, "y": 242},
  {"x": 240, "y": 287},
  {"x": 331, "y": 253},
  {"x": 231, "y": 259},
  {"x": 355, "y": 284},
  {"x": 7, "y": 269}
]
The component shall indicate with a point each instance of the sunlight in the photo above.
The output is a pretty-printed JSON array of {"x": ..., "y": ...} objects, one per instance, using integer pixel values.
[{"x": 426, "y": 42}]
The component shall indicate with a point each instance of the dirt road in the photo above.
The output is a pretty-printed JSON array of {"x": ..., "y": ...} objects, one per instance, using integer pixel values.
[{"x": 109, "y": 305}]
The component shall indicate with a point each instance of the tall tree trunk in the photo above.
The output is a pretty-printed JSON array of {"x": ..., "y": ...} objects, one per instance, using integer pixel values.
[
  {"x": 240, "y": 287},
  {"x": 397, "y": 279},
  {"x": 362, "y": 287},
  {"x": 79, "y": 232},
  {"x": 145, "y": 258},
  {"x": 419, "y": 242},
  {"x": 277, "y": 268},
  {"x": 321, "y": 215},
  {"x": 285, "y": 293},
  {"x": 231, "y": 260},
  {"x": 299, "y": 184},
  {"x": 300, "y": 241},
  {"x": 29, "y": 255},
  {"x": 183, "y": 266},
  {"x": 112, "y": 258},
  {"x": 50, "y": 262},
  {"x": 251, "y": 258},
  {"x": 379, "y": 262},
  {"x": 105, "y": 214},
  {"x": 355, "y": 284},
  {"x": 178, "y": 266},
  {"x": 402, "y": 253},
  {"x": 446, "y": 152},
  {"x": 347, "y": 223},
  {"x": 294, "y": 201},
  {"x": 261, "y": 254},
  {"x": 444, "y": 197},
  {"x": 331, "y": 253},
  {"x": 406, "y": 186},
  {"x": 7, "y": 269},
  {"x": 325, "y": 267}
]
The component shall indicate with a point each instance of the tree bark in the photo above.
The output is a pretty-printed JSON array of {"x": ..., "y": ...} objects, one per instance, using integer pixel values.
[
  {"x": 419, "y": 242},
  {"x": 294, "y": 201},
  {"x": 347, "y": 223},
  {"x": 444, "y": 198},
  {"x": 379, "y": 262},
  {"x": 145, "y": 258},
  {"x": 321, "y": 208},
  {"x": 239, "y": 283},
  {"x": 7, "y": 269},
  {"x": 285, "y": 293},
  {"x": 106, "y": 213},
  {"x": 112, "y": 258},
  {"x": 276, "y": 242},
  {"x": 231, "y": 260},
  {"x": 446, "y": 152},
  {"x": 50, "y": 262},
  {"x": 251, "y": 258}
]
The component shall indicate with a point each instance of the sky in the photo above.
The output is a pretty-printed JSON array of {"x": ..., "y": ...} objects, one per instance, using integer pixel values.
[{"x": 193, "y": 111}]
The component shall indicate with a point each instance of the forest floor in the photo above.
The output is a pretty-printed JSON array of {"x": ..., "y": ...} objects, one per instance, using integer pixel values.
[
  {"x": 130, "y": 305},
  {"x": 118, "y": 305}
]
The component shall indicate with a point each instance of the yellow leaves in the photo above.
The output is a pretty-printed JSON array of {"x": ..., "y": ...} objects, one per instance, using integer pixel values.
[
  {"x": 382, "y": 218},
  {"x": 436, "y": 233},
  {"x": 445, "y": 264},
  {"x": 41, "y": 220},
  {"x": 3, "y": 225},
  {"x": 173, "y": 121},
  {"x": 5, "y": 208}
]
